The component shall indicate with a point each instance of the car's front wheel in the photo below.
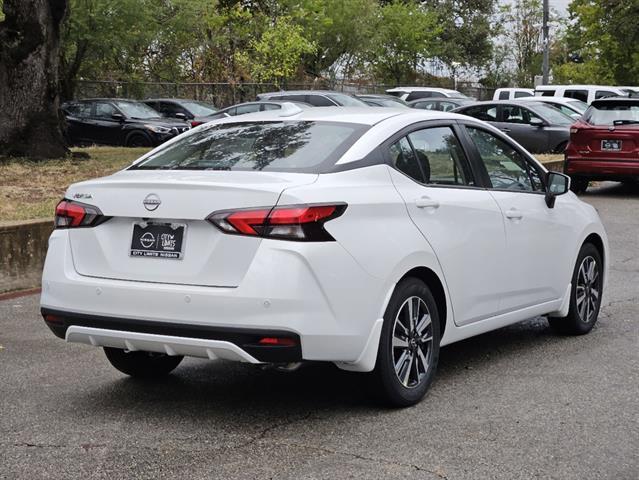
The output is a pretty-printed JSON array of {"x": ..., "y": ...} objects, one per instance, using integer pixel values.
[
  {"x": 409, "y": 344},
  {"x": 585, "y": 295},
  {"x": 142, "y": 364}
]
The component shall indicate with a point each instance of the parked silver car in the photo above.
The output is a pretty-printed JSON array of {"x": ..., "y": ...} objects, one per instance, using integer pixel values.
[{"x": 538, "y": 127}]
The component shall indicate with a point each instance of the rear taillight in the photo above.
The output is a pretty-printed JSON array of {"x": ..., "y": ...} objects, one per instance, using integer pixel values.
[
  {"x": 195, "y": 123},
  {"x": 574, "y": 130},
  {"x": 70, "y": 214},
  {"x": 295, "y": 222}
]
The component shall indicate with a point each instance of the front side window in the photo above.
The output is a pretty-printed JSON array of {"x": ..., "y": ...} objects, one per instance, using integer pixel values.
[
  {"x": 503, "y": 95},
  {"x": 137, "y": 110},
  {"x": 514, "y": 114},
  {"x": 447, "y": 106},
  {"x": 604, "y": 93},
  {"x": 319, "y": 101},
  {"x": 440, "y": 155},
  {"x": 506, "y": 167},
  {"x": 548, "y": 93},
  {"x": 242, "y": 109},
  {"x": 287, "y": 146},
  {"x": 523, "y": 94},
  {"x": 420, "y": 94}
]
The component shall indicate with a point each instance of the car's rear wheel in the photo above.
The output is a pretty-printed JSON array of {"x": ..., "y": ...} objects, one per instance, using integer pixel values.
[
  {"x": 585, "y": 296},
  {"x": 142, "y": 364},
  {"x": 138, "y": 140},
  {"x": 578, "y": 185},
  {"x": 409, "y": 344}
]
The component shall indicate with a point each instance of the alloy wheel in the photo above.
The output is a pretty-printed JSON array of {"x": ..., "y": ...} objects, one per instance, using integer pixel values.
[
  {"x": 412, "y": 342},
  {"x": 588, "y": 289}
]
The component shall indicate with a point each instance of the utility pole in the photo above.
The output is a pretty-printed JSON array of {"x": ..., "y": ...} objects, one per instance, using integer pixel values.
[{"x": 546, "y": 44}]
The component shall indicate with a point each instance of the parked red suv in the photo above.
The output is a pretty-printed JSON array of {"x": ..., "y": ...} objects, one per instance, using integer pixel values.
[{"x": 604, "y": 144}]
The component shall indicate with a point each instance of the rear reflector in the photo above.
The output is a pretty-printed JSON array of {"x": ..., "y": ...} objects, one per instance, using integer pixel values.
[
  {"x": 277, "y": 342},
  {"x": 295, "y": 222},
  {"x": 70, "y": 214}
]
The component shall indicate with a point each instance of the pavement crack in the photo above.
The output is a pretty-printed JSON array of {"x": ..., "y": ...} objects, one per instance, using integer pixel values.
[
  {"x": 38, "y": 445},
  {"x": 265, "y": 431}
]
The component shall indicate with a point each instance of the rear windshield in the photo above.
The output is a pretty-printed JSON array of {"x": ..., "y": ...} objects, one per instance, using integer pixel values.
[
  {"x": 287, "y": 146},
  {"x": 612, "y": 114}
]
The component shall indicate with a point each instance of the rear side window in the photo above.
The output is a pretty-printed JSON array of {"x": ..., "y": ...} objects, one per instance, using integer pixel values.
[
  {"x": 288, "y": 146},
  {"x": 319, "y": 101},
  {"x": 440, "y": 155},
  {"x": 104, "y": 110},
  {"x": 242, "y": 109},
  {"x": 417, "y": 94},
  {"x": 548, "y": 93},
  {"x": 523, "y": 94},
  {"x": 578, "y": 94},
  {"x": 488, "y": 113},
  {"x": 447, "y": 106},
  {"x": 294, "y": 98},
  {"x": 79, "y": 110},
  {"x": 604, "y": 93},
  {"x": 503, "y": 95},
  {"x": 403, "y": 159}
]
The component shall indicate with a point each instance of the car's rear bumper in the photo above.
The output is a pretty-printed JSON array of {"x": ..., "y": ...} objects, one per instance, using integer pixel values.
[
  {"x": 601, "y": 168},
  {"x": 326, "y": 301},
  {"x": 173, "y": 338}
]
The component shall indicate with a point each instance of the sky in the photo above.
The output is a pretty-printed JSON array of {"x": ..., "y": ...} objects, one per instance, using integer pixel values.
[{"x": 560, "y": 5}]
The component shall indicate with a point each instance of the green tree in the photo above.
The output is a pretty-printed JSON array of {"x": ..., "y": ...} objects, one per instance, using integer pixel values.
[
  {"x": 276, "y": 56},
  {"x": 404, "y": 37},
  {"x": 603, "y": 43},
  {"x": 467, "y": 30}
]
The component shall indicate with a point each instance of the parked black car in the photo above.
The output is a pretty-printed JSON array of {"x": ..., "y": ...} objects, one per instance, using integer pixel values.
[
  {"x": 252, "y": 107},
  {"x": 538, "y": 127},
  {"x": 317, "y": 98},
  {"x": 109, "y": 121},
  {"x": 382, "y": 101},
  {"x": 441, "y": 104},
  {"x": 193, "y": 111}
]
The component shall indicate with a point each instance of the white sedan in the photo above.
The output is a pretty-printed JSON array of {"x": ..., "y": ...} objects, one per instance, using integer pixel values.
[{"x": 367, "y": 237}]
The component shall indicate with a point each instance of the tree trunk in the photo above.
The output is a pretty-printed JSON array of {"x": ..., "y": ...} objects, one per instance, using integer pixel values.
[{"x": 30, "y": 124}]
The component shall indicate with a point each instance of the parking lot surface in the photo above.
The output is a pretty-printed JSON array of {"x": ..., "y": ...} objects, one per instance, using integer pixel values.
[{"x": 517, "y": 403}]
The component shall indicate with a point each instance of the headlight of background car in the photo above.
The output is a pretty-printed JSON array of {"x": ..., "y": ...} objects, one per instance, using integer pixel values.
[{"x": 158, "y": 129}]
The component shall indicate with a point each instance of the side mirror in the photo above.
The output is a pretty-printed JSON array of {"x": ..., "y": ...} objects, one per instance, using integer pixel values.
[
  {"x": 576, "y": 116},
  {"x": 537, "y": 122},
  {"x": 118, "y": 116},
  {"x": 181, "y": 116},
  {"x": 556, "y": 184}
]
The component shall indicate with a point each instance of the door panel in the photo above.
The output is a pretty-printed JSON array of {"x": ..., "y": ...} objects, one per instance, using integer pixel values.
[
  {"x": 462, "y": 224},
  {"x": 539, "y": 240}
]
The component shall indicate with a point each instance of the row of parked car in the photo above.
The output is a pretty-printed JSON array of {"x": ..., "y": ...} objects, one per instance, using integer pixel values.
[{"x": 552, "y": 120}]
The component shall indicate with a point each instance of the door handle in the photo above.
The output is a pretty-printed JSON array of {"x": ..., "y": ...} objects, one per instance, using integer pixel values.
[
  {"x": 506, "y": 130},
  {"x": 514, "y": 214},
  {"x": 426, "y": 202}
]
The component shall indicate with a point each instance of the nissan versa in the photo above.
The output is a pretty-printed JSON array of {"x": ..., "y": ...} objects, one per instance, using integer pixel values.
[{"x": 367, "y": 237}]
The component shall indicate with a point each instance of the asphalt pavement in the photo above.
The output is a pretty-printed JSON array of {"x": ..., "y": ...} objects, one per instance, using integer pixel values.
[{"x": 517, "y": 403}]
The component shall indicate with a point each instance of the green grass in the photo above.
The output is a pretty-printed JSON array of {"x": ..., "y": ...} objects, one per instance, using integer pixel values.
[{"x": 30, "y": 190}]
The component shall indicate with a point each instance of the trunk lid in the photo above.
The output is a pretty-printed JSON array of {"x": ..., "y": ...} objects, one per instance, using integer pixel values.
[
  {"x": 186, "y": 198},
  {"x": 592, "y": 138}
]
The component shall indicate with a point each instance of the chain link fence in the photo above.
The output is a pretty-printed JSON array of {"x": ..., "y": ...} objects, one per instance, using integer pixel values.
[{"x": 225, "y": 94}]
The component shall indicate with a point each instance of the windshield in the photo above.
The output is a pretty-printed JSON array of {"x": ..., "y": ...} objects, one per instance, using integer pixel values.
[
  {"x": 612, "y": 114},
  {"x": 199, "y": 109},
  {"x": 137, "y": 110},
  {"x": 578, "y": 105},
  {"x": 346, "y": 100},
  {"x": 288, "y": 146},
  {"x": 553, "y": 115}
]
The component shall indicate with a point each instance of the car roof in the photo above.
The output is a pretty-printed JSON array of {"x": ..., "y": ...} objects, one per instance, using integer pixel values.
[
  {"x": 442, "y": 99},
  {"x": 303, "y": 92},
  {"x": 356, "y": 115},
  {"x": 549, "y": 87},
  {"x": 613, "y": 100},
  {"x": 562, "y": 100},
  {"x": 421, "y": 89},
  {"x": 173, "y": 100},
  {"x": 105, "y": 99}
]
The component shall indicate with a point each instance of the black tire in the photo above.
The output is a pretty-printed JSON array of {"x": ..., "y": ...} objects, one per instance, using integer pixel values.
[
  {"x": 402, "y": 393},
  {"x": 142, "y": 364},
  {"x": 582, "y": 316},
  {"x": 138, "y": 140},
  {"x": 561, "y": 147},
  {"x": 578, "y": 185}
]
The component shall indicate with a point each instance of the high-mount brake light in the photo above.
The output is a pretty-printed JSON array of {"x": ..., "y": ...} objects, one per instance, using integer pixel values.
[
  {"x": 304, "y": 223},
  {"x": 70, "y": 214}
]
